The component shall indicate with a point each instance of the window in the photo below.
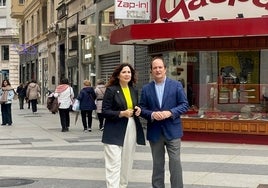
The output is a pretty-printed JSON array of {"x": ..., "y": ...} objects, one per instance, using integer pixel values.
[
  {"x": 5, "y": 52},
  {"x": 21, "y": 2},
  {"x": 2, "y": 3},
  {"x": 107, "y": 23}
]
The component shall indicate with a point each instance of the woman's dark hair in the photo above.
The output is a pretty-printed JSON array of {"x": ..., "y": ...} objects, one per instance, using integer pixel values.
[
  {"x": 114, "y": 80},
  {"x": 8, "y": 83},
  {"x": 64, "y": 81}
]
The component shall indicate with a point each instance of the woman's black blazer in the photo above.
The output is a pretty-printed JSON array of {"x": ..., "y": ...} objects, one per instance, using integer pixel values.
[{"x": 115, "y": 127}]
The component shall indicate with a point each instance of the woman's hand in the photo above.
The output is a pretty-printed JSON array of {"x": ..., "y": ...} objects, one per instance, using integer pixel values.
[{"x": 126, "y": 113}]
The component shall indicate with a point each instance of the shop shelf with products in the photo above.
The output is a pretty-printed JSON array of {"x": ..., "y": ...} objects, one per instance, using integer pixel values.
[{"x": 239, "y": 93}]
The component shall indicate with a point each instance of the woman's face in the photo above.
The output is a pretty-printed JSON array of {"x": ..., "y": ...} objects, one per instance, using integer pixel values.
[
  {"x": 125, "y": 75},
  {"x": 5, "y": 83}
]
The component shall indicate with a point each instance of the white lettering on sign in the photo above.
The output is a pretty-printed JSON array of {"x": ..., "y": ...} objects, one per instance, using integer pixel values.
[
  {"x": 192, "y": 9},
  {"x": 132, "y": 9},
  {"x": 135, "y": 14}
]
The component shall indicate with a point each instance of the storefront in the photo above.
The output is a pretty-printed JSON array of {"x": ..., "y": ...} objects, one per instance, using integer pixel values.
[{"x": 221, "y": 60}]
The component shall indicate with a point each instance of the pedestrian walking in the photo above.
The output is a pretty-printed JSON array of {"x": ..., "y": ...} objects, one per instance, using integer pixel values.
[
  {"x": 64, "y": 94},
  {"x": 122, "y": 127},
  {"x": 26, "y": 98},
  {"x": 6, "y": 96},
  {"x": 33, "y": 93},
  {"x": 100, "y": 90},
  {"x": 21, "y": 95},
  {"x": 162, "y": 102},
  {"x": 87, "y": 98}
]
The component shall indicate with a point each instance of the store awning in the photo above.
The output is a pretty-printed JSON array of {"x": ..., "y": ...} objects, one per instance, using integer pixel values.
[{"x": 151, "y": 33}]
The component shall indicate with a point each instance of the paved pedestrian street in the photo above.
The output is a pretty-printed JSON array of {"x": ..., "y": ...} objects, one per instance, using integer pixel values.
[{"x": 34, "y": 153}]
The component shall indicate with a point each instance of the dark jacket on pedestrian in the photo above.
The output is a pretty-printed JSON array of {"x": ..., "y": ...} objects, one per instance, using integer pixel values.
[
  {"x": 21, "y": 90},
  {"x": 87, "y": 98}
]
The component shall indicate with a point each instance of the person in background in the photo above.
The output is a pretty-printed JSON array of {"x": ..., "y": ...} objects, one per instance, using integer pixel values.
[
  {"x": 65, "y": 94},
  {"x": 26, "y": 98},
  {"x": 21, "y": 95},
  {"x": 32, "y": 93},
  {"x": 162, "y": 102},
  {"x": 122, "y": 127},
  {"x": 100, "y": 90},
  {"x": 6, "y": 95},
  {"x": 87, "y": 98}
]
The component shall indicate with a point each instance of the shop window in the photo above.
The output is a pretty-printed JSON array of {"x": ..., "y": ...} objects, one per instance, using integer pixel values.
[
  {"x": 228, "y": 85},
  {"x": 239, "y": 77},
  {"x": 4, "y": 52}
]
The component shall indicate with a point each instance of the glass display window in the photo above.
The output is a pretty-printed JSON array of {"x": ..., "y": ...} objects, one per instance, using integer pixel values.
[{"x": 222, "y": 84}]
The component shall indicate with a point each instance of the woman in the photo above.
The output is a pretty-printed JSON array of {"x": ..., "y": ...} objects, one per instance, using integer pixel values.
[
  {"x": 100, "y": 90},
  {"x": 87, "y": 98},
  {"x": 64, "y": 93},
  {"x": 6, "y": 95},
  {"x": 33, "y": 92},
  {"x": 122, "y": 126},
  {"x": 21, "y": 94}
]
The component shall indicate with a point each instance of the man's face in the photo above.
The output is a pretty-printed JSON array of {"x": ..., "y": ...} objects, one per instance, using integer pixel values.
[{"x": 158, "y": 70}]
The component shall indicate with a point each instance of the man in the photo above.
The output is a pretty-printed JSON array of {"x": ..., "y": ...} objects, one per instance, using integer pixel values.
[{"x": 162, "y": 102}]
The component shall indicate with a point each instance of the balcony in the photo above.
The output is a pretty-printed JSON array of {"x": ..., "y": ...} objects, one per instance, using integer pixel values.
[{"x": 16, "y": 9}]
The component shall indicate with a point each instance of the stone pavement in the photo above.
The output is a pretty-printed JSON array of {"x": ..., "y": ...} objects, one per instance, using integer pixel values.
[{"x": 34, "y": 152}]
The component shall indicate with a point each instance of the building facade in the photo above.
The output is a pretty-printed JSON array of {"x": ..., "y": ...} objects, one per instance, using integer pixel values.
[
  {"x": 9, "y": 43},
  {"x": 219, "y": 52},
  {"x": 32, "y": 17},
  {"x": 68, "y": 38}
]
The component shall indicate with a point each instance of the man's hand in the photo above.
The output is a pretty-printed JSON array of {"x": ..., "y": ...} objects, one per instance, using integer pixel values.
[{"x": 161, "y": 115}]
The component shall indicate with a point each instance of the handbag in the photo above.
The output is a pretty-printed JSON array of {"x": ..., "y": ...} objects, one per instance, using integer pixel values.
[
  {"x": 3, "y": 98},
  {"x": 71, "y": 107},
  {"x": 76, "y": 105},
  {"x": 54, "y": 106}
]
